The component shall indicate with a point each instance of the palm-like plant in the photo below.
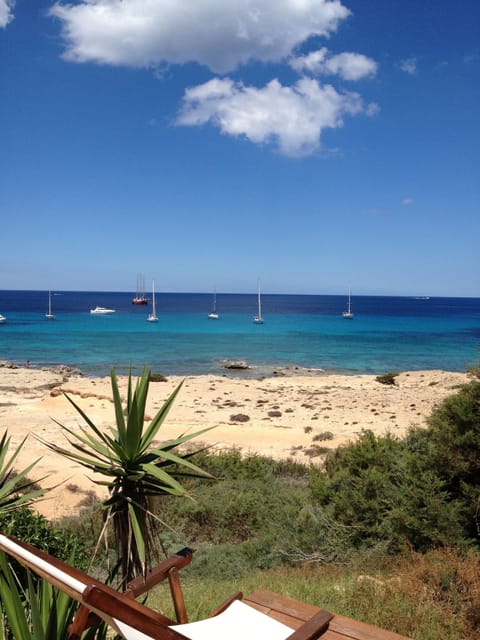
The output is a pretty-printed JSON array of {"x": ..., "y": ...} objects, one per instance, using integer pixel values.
[
  {"x": 136, "y": 470},
  {"x": 16, "y": 490},
  {"x": 15, "y": 487}
]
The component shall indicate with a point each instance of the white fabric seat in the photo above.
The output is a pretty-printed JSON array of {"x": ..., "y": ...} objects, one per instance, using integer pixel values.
[{"x": 238, "y": 622}]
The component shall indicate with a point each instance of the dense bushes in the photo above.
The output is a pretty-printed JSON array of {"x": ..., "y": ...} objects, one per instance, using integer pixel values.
[
  {"x": 421, "y": 492},
  {"x": 380, "y": 492},
  {"x": 30, "y": 527},
  {"x": 454, "y": 452}
]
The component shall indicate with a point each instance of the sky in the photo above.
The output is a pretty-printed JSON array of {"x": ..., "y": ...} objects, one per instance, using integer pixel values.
[{"x": 316, "y": 145}]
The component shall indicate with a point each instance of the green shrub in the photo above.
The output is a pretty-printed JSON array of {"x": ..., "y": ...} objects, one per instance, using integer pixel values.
[
  {"x": 454, "y": 451},
  {"x": 33, "y": 528},
  {"x": 384, "y": 491},
  {"x": 157, "y": 377},
  {"x": 325, "y": 435},
  {"x": 387, "y": 378}
]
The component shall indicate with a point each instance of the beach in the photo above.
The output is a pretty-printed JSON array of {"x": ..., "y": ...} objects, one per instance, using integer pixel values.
[{"x": 282, "y": 416}]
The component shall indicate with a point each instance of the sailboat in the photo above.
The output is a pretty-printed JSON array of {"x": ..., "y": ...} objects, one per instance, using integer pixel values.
[
  {"x": 49, "y": 315},
  {"x": 152, "y": 317},
  {"x": 140, "y": 294},
  {"x": 213, "y": 315},
  {"x": 258, "y": 318},
  {"x": 348, "y": 314}
]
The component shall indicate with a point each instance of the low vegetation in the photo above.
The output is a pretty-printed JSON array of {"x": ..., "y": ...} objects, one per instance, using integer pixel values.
[{"x": 387, "y": 378}]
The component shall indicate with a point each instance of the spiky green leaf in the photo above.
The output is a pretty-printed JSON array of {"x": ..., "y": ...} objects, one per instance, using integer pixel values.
[
  {"x": 117, "y": 403},
  {"x": 159, "y": 417},
  {"x": 138, "y": 529}
]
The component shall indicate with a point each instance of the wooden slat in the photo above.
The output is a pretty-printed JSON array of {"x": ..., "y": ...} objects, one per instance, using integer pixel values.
[
  {"x": 349, "y": 628},
  {"x": 267, "y": 601},
  {"x": 294, "y": 613}
]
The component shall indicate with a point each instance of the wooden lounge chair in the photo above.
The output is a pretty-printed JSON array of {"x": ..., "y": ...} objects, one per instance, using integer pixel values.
[{"x": 234, "y": 620}]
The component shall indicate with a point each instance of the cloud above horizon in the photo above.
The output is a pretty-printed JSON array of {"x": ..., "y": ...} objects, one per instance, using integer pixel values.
[
  {"x": 290, "y": 117},
  {"x": 347, "y": 65},
  {"x": 6, "y": 14},
  {"x": 220, "y": 34},
  {"x": 224, "y": 35},
  {"x": 409, "y": 65}
]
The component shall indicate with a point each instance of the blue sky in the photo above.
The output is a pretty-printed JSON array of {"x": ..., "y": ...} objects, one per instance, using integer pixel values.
[{"x": 314, "y": 144}]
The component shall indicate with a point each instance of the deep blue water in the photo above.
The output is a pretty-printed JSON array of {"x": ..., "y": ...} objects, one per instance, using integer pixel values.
[{"x": 387, "y": 333}]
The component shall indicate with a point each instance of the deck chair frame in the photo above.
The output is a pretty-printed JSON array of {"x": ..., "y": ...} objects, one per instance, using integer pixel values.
[{"x": 113, "y": 606}]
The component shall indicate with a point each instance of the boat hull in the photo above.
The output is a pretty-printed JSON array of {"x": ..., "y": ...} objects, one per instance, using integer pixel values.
[{"x": 102, "y": 311}]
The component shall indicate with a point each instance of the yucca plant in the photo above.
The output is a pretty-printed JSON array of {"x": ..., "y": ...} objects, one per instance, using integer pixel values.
[
  {"x": 135, "y": 469},
  {"x": 35, "y": 611},
  {"x": 15, "y": 487},
  {"x": 16, "y": 617}
]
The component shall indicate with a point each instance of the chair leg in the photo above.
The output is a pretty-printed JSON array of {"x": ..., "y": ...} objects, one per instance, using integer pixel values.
[
  {"x": 84, "y": 618},
  {"x": 177, "y": 595}
]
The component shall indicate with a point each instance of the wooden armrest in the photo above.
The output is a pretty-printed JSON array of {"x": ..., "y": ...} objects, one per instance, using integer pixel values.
[
  {"x": 313, "y": 628},
  {"x": 142, "y": 584}
]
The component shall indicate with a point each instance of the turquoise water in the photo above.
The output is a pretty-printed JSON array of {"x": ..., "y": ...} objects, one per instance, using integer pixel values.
[{"x": 387, "y": 333}]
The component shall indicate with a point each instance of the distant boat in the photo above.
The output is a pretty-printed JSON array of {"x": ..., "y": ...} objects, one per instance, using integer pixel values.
[
  {"x": 102, "y": 311},
  {"x": 348, "y": 314},
  {"x": 152, "y": 317},
  {"x": 258, "y": 319},
  {"x": 213, "y": 315},
  {"x": 140, "y": 295},
  {"x": 2, "y": 319},
  {"x": 49, "y": 315}
]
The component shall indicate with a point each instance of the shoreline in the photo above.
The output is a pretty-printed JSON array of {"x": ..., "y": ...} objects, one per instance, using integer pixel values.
[{"x": 281, "y": 416}]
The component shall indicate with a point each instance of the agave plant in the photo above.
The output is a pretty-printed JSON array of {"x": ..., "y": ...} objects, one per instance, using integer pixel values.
[
  {"x": 135, "y": 468},
  {"x": 15, "y": 487}
]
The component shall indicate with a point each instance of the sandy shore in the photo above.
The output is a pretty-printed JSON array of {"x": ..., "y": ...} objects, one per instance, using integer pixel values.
[{"x": 284, "y": 416}]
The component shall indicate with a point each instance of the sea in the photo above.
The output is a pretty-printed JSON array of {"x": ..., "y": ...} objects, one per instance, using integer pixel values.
[{"x": 300, "y": 332}]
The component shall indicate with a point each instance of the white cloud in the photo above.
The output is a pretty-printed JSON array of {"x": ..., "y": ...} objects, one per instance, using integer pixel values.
[
  {"x": 292, "y": 117},
  {"x": 409, "y": 65},
  {"x": 6, "y": 14},
  {"x": 372, "y": 109},
  {"x": 349, "y": 66},
  {"x": 407, "y": 202},
  {"x": 221, "y": 34}
]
